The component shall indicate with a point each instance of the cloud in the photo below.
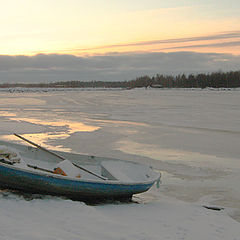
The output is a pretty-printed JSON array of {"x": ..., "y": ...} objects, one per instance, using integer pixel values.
[
  {"x": 111, "y": 67},
  {"x": 216, "y": 37},
  {"x": 207, "y": 45}
]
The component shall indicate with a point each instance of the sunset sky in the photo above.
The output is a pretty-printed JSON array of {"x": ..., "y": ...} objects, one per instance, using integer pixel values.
[{"x": 94, "y": 28}]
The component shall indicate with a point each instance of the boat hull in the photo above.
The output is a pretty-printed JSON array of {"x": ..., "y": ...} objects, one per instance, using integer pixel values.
[{"x": 30, "y": 182}]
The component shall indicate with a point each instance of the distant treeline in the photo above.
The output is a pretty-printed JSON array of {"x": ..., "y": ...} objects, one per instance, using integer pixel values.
[{"x": 213, "y": 80}]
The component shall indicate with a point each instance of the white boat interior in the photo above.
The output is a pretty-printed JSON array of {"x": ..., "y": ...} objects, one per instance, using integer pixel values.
[{"x": 74, "y": 166}]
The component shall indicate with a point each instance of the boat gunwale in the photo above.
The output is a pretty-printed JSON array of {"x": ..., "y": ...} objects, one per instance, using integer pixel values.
[
  {"x": 67, "y": 178},
  {"x": 156, "y": 175}
]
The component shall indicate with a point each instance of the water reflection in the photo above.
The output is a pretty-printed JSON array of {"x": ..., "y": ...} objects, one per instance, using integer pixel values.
[
  {"x": 193, "y": 159},
  {"x": 40, "y": 139},
  {"x": 71, "y": 125},
  {"x": 7, "y": 114},
  {"x": 115, "y": 122},
  {"x": 60, "y": 129},
  {"x": 21, "y": 101}
]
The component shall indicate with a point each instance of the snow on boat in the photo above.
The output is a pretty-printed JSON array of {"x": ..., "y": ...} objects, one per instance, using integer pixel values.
[{"x": 79, "y": 177}]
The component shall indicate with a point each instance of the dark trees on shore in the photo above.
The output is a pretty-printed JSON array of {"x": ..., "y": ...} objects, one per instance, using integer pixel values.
[{"x": 214, "y": 80}]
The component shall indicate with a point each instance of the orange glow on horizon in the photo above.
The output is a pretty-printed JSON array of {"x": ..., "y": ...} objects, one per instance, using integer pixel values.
[
  {"x": 194, "y": 44},
  {"x": 68, "y": 27}
]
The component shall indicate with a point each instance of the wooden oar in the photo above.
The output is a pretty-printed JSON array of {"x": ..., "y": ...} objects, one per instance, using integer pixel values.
[
  {"x": 84, "y": 169},
  {"x": 7, "y": 161},
  {"x": 40, "y": 147},
  {"x": 39, "y": 168},
  {"x": 59, "y": 156}
]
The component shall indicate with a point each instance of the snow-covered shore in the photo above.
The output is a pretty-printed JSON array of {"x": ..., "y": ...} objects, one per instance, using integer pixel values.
[
  {"x": 164, "y": 218},
  {"x": 192, "y": 137}
]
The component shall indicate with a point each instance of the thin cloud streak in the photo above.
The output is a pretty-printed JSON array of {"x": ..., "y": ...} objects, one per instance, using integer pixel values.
[
  {"x": 223, "y": 44},
  {"x": 219, "y": 36},
  {"x": 223, "y": 40}
]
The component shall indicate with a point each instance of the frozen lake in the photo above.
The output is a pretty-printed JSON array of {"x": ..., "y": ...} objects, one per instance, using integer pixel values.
[{"x": 191, "y": 136}]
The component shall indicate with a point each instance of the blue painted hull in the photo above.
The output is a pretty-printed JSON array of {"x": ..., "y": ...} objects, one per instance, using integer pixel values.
[{"x": 31, "y": 182}]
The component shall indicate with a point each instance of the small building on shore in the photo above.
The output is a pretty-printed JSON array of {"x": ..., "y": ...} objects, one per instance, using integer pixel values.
[{"x": 156, "y": 86}]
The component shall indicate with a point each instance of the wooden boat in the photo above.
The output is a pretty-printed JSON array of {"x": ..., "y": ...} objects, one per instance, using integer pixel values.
[{"x": 79, "y": 177}]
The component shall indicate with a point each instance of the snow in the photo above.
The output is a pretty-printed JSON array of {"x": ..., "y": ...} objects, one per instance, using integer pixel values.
[
  {"x": 190, "y": 136},
  {"x": 165, "y": 218}
]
